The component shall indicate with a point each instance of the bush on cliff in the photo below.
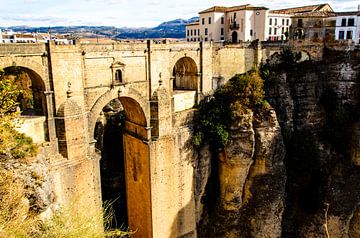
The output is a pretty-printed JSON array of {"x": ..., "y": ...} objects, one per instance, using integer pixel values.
[{"x": 244, "y": 93}]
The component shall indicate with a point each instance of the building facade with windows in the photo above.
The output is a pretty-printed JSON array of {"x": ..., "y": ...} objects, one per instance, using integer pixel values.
[
  {"x": 193, "y": 31},
  {"x": 278, "y": 26},
  {"x": 235, "y": 24},
  {"x": 348, "y": 26}
]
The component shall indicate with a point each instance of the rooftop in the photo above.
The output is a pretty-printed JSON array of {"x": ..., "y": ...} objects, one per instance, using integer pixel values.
[
  {"x": 312, "y": 8},
  {"x": 348, "y": 13},
  {"x": 233, "y": 8}
]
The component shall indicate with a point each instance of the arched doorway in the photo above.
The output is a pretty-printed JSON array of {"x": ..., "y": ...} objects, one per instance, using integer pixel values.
[
  {"x": 234, "y": 37},
  {"x": 185, "y": 74},
  {"x": 31, "y": 100},
  {"x": 121, "y": 136}
]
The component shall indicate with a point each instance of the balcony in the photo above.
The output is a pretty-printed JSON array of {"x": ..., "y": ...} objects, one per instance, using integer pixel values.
[{"x": 234, "y": 26}]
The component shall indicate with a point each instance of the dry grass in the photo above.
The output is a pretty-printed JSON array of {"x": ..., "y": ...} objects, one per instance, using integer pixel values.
[{"x": 71, "y": 222}]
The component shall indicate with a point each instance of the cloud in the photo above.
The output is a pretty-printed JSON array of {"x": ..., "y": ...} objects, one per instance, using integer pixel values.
[{"x": 131, "y": 13}]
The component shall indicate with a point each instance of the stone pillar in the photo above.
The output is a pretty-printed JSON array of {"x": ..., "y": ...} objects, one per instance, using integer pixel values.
[
  {"x": 70, "y": 128},
  {"x": 161, "y": 113},
  {"x": 50, "y": 116}
]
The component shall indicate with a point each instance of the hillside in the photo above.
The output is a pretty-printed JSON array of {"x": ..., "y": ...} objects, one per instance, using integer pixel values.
[{"x": 169, "y": 29}]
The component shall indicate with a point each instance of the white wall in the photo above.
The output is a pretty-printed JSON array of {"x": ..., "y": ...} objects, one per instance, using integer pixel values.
[
  {"x": 355, "y": 29},
  {"x": 214, "y": 28}
]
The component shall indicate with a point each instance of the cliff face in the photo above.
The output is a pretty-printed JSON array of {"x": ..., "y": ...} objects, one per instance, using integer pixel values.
[
  {"x": 246, "y": 192},
  {"x": 294, "y": 173},
  {"x": 318, "y": 110}
]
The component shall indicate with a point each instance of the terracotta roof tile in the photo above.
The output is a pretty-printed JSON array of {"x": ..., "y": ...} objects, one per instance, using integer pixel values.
[{"x": 311, "y": 8}]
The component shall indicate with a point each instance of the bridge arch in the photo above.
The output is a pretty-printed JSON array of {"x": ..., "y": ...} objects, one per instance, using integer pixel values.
[
  {"x": 127, "y": 96},
  {"x": 185, "y": 72},
  {"x": 119, "y": 122},
  {"x": 29, "y": 64},
  {"x": 32, "y": 100}
]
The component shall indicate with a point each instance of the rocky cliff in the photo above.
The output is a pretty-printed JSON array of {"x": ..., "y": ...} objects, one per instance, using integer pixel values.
[
  {"x": 245, "y": 193},
  {"x": 293, "y": 173},
  {"x": 318, "y": 107}
]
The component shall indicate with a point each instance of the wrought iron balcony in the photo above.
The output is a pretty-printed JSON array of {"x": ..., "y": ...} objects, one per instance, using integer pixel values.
[{"x": 234, "y": 26}]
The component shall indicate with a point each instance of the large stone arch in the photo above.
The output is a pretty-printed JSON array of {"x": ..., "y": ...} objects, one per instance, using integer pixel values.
[
  {"x": 194, "y": 55},
  {"x": 127, "y": 96},
  {"x": 27, "y": 63},
  {"x": 135, "y": 148},
  {"x": 185, "y": 72}
]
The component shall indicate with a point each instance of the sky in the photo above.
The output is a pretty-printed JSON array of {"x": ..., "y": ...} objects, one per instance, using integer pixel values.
[{"x": 128, "y": 13}]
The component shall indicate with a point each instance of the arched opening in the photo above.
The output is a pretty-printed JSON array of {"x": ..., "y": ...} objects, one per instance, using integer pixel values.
[
  {"x": 234, "y": 37},
  {"x": 121, "y": 134},
  {"x": 185, "y": 73},
  {"x": 118, "y": 76},
  {"x": 109, "y": 142},
  {"x": 32, "y": 101}
]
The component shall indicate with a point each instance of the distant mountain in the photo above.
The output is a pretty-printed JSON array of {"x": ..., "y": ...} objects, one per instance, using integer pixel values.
[{"x": 169, "y": 29}]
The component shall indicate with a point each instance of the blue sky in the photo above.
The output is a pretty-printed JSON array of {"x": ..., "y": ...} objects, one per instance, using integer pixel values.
[{"x": 130, "y": 13}]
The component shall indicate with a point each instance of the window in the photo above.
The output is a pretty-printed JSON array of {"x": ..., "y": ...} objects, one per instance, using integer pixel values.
[
  {"x": 206, "y": 31},
  {"x": 251, "y": 32},
  {"x": 191, "y": 32},
  {"x": 222, "y": 20},
  {"x": 222, "y": 31},
  {"x": 118, "y": 76},
  {"x": 270, "y": 21},
  {"x": 275, "y": 31},
  {"x": 287, "y": 22},
  {"x": 300, "y": 23},
  {"x": 349, "y": 35},
  {"x": 222, "y": 38},
  {"x": 198, "y": 32},
  {"x": 341, "y": 35},
  {"x": 188, "y": 32},
  {"x": 275, "y": 21},
  {"x": 351, "y": 22},
  {"x": 282, "y": 30},
  {"x": 203, "y": 21},
  {"x": 209, "y": 20},
  {"x": 283, "y": 21},
  {"x": 206, "y": 39},
  {"x": 234, "y": 15},
  {"x": 343, "y": 22},
  {"x": 269, "y": 31}
]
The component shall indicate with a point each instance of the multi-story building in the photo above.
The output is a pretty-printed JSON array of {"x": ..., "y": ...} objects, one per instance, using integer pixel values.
[
  {"x": 193, "y": 31},
  {"x": 315, "y": 22},
  {"x": 278, "y": 26},
  {"x": 240, "y": 23},
  {"x": 348, "y": 26},
  {"x": 248, "y": 23}
]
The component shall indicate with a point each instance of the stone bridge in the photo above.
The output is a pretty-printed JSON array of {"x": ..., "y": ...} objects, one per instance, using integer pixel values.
[{"x": 157, "y": 86}]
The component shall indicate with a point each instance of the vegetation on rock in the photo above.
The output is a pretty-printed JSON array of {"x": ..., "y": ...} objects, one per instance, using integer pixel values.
[{"x": 242, "y": 93}]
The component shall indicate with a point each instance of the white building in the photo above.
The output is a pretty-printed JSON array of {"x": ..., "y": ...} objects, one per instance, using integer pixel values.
[
  {"x": 238, "y": 23},
  {"x": 348, "y": 26},
  {"x": 193, "y": 31},
  {"x": 278, "y": 26}
]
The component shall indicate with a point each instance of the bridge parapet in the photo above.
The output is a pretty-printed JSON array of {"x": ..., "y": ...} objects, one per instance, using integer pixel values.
[{"x": 22, "y": 49}]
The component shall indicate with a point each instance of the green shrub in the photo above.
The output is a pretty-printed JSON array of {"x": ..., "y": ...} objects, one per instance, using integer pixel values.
[{"x": 243, "y": 93}]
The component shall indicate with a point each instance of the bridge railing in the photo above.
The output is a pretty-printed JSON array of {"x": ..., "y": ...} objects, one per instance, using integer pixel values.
[{"x": 18, "y": 48}]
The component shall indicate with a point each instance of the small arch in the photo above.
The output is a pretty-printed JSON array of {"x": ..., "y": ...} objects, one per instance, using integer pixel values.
[
  {"x": 234, "y": 37},
  {"x": 32, "y": 99},
  {"x": 118, "y": 76},
  {"x": 185, "y": 73}
]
